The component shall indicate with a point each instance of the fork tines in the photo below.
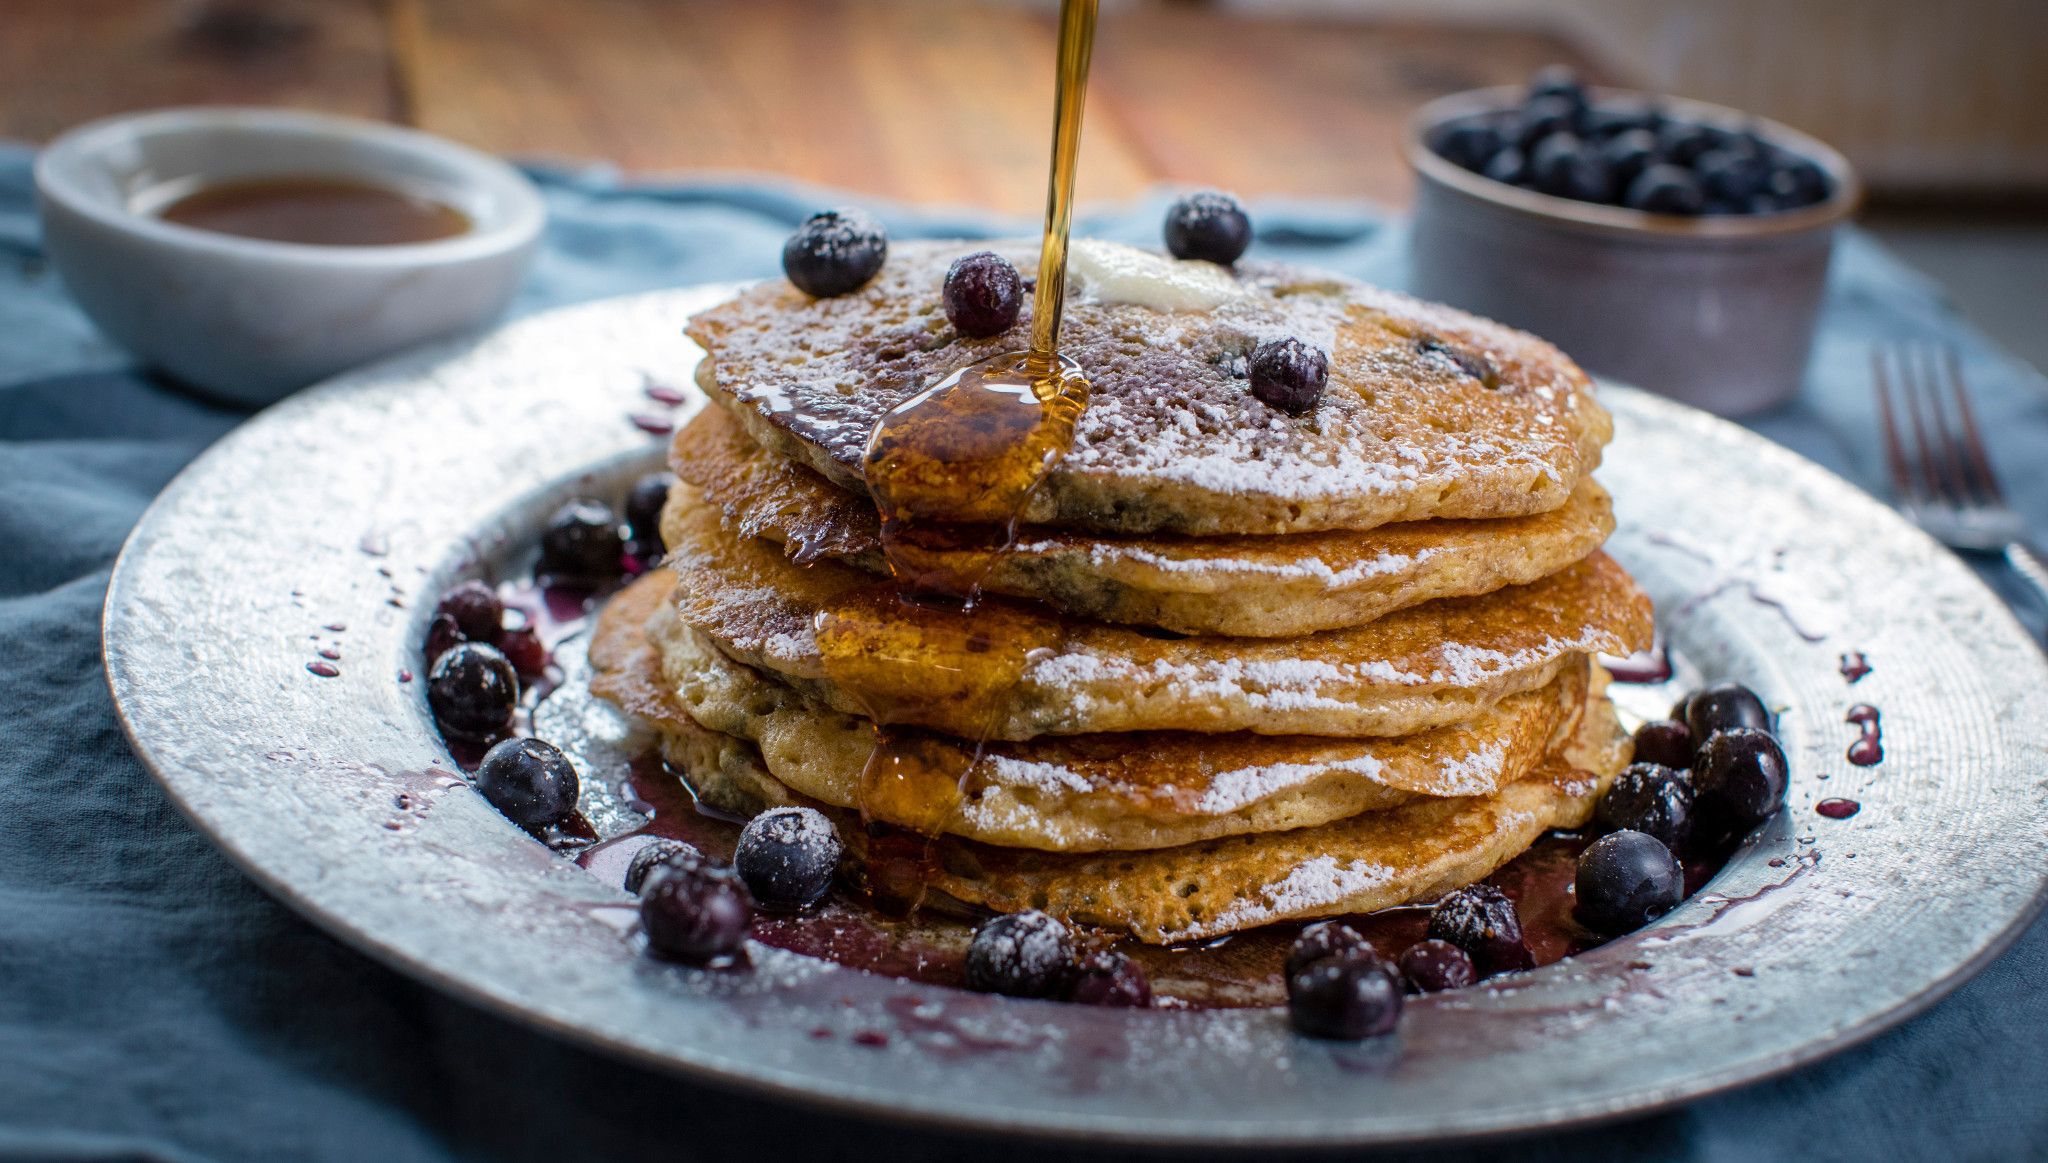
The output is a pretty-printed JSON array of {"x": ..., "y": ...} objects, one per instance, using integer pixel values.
[{"x": 1933, "y": 461}]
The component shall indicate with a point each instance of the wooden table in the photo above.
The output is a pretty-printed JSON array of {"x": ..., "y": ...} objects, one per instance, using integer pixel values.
[{"x": 938, "y": 101}]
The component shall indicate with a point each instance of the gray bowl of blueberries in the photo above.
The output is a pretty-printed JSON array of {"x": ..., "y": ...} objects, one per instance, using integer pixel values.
[{"x": 1679, "y": 246}]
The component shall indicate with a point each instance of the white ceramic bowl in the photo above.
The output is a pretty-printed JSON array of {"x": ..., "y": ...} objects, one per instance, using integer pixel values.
[{"x": 251, "y": 320}]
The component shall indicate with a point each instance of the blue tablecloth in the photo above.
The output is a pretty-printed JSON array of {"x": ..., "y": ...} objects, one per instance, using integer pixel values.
[{"x": 155, "y": 1004}]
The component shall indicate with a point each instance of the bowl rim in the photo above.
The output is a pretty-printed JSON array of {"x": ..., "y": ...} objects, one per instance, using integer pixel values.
[
  {"x": 58, "y": 182},
  {"x": 1429, "y": 166}
]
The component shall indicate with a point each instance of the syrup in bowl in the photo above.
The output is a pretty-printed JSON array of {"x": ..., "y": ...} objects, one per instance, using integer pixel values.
[{"x": 315, "y": 210}]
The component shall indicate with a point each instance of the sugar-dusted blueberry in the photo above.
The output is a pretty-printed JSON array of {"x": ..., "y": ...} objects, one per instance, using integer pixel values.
[
  {"x": 1208, "y": 225},
  {"x": 1649, "y": 798},
  {"x": 694, "y": 912},
  {"x": 1740, "y": 776},
  {"x": 1469, "y": 142},
  {"x": 1564, "y": 165},
  {"x": 1434, "y": 966},
  {"x": 1666, "y": 189},
  {"x": 443, "y": 633},
  {"x": 529, "y": 780},
  {"x": 834, "y": 252},
  {"x": 1289, "y": 374},
  {"x": 1325, "y": 939},
  {"x": 581, "y": 542},
  {"x": 1027, "y": 954},
  {"x": 1665, "y": 741},
  {"x": 1626, "y": 880},
  {"x": 1464, "y": 359},
  {"x": 1508, "y": 165},
  {"x": 655, "y": 853},
  {"x": 1481, "y": 920},
  {"x": 983, "y": 294},
  {"x": 478, "y": 611},
  {"x": 643, "y": 507},
  {"x": 787, "y": 857},
  {"x": 471, "y": 691},
  {"x": 1724, "y": 707},
  {"x": 1628, "y": 154},
  {"x": 1557, "y": 81},
  {"x": 1345, "y": 998},
  {"x": 1109, "y": 978}
]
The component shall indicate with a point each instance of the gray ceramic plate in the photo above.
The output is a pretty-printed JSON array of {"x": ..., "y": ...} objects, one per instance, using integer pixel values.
[{"x": 350, "y": 505}]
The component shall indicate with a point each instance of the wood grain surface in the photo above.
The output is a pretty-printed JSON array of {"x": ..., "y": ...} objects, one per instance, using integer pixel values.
[{"x": 934, "y": 101}]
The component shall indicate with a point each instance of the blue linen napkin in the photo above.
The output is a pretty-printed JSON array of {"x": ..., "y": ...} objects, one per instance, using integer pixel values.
[{"x": 154, "y": 1004}]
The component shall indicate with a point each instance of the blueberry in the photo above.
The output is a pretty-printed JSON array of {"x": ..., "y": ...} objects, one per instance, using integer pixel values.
[
  {"x": 1107, "y": 978},
  {"x": 1628, "y": 154},
  {"x": 1345, "y": 998},
  {"x": 1664, "y": 741},
  {"x": 1289, "y": 374},
  {"x": 477, "y": 610},
  {"x": 471, "y": 691},
  {"x": 530, "y": 781},
  {"x": 1626, "y": 880},
  {"x": 1481, "y": 920},
  {"x": 1731, "y": 175},
  {"x": 694, "y": 912},
  {"x": 1208, "y": 225},
  {"x": 1510, "y": 165},
  {"x": 1682, "y": 142},
  {"x": 655, "y": 854},
  {"x": 1469, "y": 362},
  {"x": 442, "y": 635},
  {"x": 1565, "y": 166},
  {"x": 1325, "y": 939},
  {"x": 524, "y": 650},
  {"x": 1740, "y": 776},
  {"x": 1607, "y": 121},
  {"x": 1543, "y": 116},
  {"x": 1724, "y": 707},
  {"x": 581, "y": 543},
  {"x": 983, "y": 294},
  {"x": 1435, "y": 966},
  {"x": 835, "y": 251},
  {"x": 787, "y": 857},
  {"x": 1470, "y": 143},
  {"x": 644, "y": 505},
  {"x": 1649, "y": 798},
  {"x": 1665, "y": 189},
  {"x": 1797, "y": 182},
  {"x": 1022, "y": 955},
  {"x": 1559, "y": 82}
]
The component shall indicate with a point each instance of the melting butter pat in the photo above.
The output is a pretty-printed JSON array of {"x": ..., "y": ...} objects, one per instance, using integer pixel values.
[{"x": 1112, "y": 272}]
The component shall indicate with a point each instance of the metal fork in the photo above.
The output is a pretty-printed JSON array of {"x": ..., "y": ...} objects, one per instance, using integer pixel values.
[{"x": 1940, "y": 473}]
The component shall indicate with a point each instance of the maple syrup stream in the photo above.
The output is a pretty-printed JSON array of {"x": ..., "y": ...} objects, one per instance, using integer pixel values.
[{"x": 952, "y": 469}]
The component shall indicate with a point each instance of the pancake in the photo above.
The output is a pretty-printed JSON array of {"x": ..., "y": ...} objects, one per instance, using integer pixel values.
[
  {"x": 1106, "y": 792},
  {"x": 1429, "y": 412},
  {"x": 1005, "y": 670},
  {"x": 1262, "y": 587},
  {"x": 1373, "y": 861}
]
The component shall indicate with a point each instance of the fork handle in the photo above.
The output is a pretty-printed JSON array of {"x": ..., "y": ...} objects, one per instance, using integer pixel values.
[{"x": 2026, "y": 563}]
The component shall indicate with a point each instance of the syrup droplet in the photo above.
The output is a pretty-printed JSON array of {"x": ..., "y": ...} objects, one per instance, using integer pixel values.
[
  {"x": 656, "y": 425},
  {"x": 324, "y": 669},
  {"x": 663, "y": 394},
  {"x": 1854, "y": 667},
  {"x": 1838, "y": 809},
  {"x": 1868, "y": 750}
]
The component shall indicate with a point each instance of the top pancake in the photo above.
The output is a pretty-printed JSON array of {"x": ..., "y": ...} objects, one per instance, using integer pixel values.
[{"x": 1172, "y": 439}]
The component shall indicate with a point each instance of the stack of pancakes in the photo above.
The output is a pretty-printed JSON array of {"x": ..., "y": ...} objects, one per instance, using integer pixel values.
[{"x": 1238, "y": 666}]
